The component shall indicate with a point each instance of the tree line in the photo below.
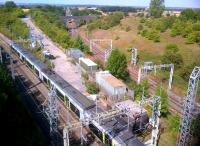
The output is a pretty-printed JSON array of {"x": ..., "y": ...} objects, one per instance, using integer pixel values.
[
  {"x": 85, "y": 12},
  {"x": 10, "y": 23},
  {"x": 187, "y": 25},
  {"x": 48, "y": 19},
  {"x": 106, "y": 22}
]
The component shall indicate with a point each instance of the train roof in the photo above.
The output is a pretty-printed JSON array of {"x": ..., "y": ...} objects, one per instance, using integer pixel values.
[{"x": 67, "y": 88}]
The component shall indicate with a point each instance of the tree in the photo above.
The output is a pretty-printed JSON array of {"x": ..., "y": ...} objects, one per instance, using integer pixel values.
[
  {"x": 141, "y": 89},
  {"x": 156, "y": 8},
  {"x": 10, "y": 5},
  {"x": 171, "y": 55},
  {"x": 78, "y": 43},
  {"x": 117, "y": 64},
  {"x": 164, "y": 100}
]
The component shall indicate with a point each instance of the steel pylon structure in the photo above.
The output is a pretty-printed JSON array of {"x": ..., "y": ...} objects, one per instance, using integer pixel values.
[
  {"x": 188, "y": 107},
  {"x": 133, "y": 56},
  {"x": 154, "y": 102},
  {"x": 52, "y": 110}
]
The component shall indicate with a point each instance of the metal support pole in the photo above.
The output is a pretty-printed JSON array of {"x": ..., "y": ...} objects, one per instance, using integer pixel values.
[
  {"x": 139, "y": 76},
  {"x": 96, "y": 105},
  {"x": 155, "y": 70},
  {"x": 171, "y": 77},
  {"x": 66, "y": 137},
  {"x": 128, "y": 122}
]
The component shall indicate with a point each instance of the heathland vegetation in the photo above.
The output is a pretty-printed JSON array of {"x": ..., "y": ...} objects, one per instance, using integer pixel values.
[{"x": 10, "y": 23}]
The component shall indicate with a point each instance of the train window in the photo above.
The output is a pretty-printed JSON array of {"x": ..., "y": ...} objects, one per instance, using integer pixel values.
[
  {"x": 96, "y": 131},
  {"x": 75, "y": 110},
  {"x": 60, "y": 95},
  {"x": 66, "y": 100},
  {"x": 45, "y": 80},
  {"x": 108, "y": 140},
  {"x": 37, "y": 72}
]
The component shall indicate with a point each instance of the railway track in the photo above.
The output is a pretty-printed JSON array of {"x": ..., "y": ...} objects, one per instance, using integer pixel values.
[{"x": 34, "y": 85}]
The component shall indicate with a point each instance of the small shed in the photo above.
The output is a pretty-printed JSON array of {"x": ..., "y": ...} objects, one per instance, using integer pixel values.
[
  {"x": 75, "y": 53},
  {"x": 114, "y": 87},
  {"x": 87, "y": 65}
]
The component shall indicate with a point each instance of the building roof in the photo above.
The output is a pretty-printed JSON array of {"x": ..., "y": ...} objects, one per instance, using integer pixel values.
[
  {"x": 75, "y": 53},
  {"x": 87, "y": 61},
  {"x": 113, "y": 81},
  {"x": 135, "y": 108}
]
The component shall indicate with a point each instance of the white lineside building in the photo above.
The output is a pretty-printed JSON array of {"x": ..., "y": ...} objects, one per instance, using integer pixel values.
[
  {"x": 87, "y": 65},
  {"x": 114, "y": 87}
]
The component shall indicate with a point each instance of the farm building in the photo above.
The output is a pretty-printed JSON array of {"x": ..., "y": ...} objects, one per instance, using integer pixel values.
[
  {"x": 75, "y": 53},
  {"x": 114, "y": 87},
  {"x": 87, "y": 65}
]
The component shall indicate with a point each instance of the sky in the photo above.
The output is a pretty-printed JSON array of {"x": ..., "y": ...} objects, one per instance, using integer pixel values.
[{"x": 168, "y": 3}]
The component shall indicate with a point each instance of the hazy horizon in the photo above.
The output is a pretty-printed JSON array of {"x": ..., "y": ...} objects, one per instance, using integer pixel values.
[{"x": 141, "y": 3}]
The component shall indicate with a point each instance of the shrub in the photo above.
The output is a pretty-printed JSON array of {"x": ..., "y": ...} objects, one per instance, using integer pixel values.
[
  {"x": 140, "y": 27},
  {"x": 128, "y": 28},
  {"x": 92, "y": 88}
]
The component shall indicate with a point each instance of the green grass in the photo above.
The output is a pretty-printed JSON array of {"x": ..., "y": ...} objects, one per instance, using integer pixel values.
[{"x": 170, "y": 126}]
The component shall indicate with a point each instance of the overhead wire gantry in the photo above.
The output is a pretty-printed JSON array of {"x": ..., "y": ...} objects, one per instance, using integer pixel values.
[
  {"x": 107, "y": 52},
  {"x": 150, "y": 67}
]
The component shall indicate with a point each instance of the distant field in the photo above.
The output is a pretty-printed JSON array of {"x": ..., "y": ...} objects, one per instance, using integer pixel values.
[
  {"x": 123, "y": 39},
  {"x": 148, "y": 50}
]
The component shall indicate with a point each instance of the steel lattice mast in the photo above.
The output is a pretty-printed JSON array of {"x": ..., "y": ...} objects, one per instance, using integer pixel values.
[
  {"x": 189, "y": 105},
  {"x": 154, "y": 101},
  {"x": 52, "y": 110}
]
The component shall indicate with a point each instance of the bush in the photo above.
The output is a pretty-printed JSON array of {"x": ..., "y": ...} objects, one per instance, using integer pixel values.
[
  {"x": 92, "y": 88},
  {"x": 140, "y": 27},
  {"x": 171, "y": 55},
  {"x": 153, "y": 35},
  {"x": 164, "y": 101},
  {"x": 128, "y": 28},
  {"x": 99, "y": 64},
  {"x": 142, "y": 20}
]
